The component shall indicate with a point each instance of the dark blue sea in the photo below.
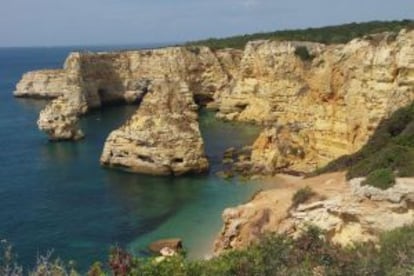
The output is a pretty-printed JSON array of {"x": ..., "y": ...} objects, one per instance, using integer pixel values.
[{"x": 55, "y": 196}]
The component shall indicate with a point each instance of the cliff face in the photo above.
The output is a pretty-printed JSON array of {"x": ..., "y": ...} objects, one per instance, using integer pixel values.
[
  {"x": 324, "y": 105},
  {"x": 347, "y": 212},
  {"x": 119, "y": 76},
  {"x": 163, "y": 136},
  {"x": 318, "y": 102},
  {"x": 104, "y": 78}
]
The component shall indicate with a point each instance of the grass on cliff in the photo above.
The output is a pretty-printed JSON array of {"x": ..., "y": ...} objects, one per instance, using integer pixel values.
[
  {"x": 328, "y": 35},
  {"x": 389, "y": 152},
  {"x": 310, "y": 254},
  {"x": 302, "y": 195},
  {"x": 381, "y": 178}
]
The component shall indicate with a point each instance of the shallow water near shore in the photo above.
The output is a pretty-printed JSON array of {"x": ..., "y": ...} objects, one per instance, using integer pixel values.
[{"x": 56, "y": 195}]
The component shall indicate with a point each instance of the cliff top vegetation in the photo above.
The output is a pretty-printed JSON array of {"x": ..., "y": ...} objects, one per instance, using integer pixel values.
[{"x": 327, "y": 35}]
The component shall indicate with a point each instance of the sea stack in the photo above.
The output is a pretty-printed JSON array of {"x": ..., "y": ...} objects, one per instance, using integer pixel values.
[{"x": 162, "y": 137}]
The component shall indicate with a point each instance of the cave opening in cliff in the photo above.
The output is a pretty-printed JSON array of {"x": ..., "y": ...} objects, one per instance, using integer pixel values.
[
  {"x": 202, "y": 100},
  {"x": 107, "y": 97},
  {"x": 102, "y": 94}
]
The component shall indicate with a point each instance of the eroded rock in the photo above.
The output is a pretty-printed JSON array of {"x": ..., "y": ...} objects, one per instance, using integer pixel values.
[
  {"x": 59, "y": 119},
  {"x": 346, "y": 211},
  {"x": 337, "y": 99},
  {"x": 166, "y": 247},
  {"x": 162, "y": 137}
]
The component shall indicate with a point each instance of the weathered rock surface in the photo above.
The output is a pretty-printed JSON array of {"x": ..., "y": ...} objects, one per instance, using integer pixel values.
[
  {"x": 163, "y": 136},
  {"x": 350, "y": 212},
  {"x": 42, "y": 84},
  {"x": 315, "y": 109},
  {"x": 330, "y": 104},
  {"x": 161, "y": 246},
  {"x": 106, "y": 78},
  {"x": 59, "y": 119}
]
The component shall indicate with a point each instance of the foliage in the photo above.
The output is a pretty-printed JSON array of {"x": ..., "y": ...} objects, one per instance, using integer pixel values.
[
  {"x": 8, "y": 265},
  {"x": 397, "y": 251},
  {"x": 390, "y": 147},
  {"x": 328, "y": 35},
  {"x": 302, "y": 195},
  {"x": 381, "y": 178},
  {"x": 303, "y": 53},
  {"x": 45, "y": 265},
  {"x": 310, "y": 254}
]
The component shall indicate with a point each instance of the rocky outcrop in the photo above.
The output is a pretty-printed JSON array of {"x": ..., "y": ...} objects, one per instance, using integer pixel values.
[
  {"x": 347, "y": 212},
  {"x": 42, "y": 84},
  {"x": 123, "y": 77},
  {"x": 163, "y": 136},
  {"x": 109, "y": 77},
  {"x": 59, "y": 119},
  {"x": 330, "y": 101},
  {"x": 159, "y": 246},
  {"x": 318, "y": 102}
]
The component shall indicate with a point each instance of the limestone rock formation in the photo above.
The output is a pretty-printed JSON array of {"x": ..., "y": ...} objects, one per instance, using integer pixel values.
[
  {"x": 123, "y": 77},
  {"x": 163, "y": 136},
  {"x": 109, "y": 77},
  {"x": 334, "y": 99},
  {"x": 59, "y": 119},
  {"x": 348, "y": 212},
  {"x": 317, "y": 107},
  {"x": 42, "y": 84}
]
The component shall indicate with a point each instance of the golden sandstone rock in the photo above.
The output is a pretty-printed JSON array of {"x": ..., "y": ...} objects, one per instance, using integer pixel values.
[
  {"x": 162, "y": 137},
  {"x": 316, "y": 108},
  {"x": 333, "y": 102},
  {"x": 327, "y": 104}
]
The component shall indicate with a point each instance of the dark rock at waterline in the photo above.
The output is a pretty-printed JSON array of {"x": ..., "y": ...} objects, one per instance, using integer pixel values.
[
  {"x": 229, "y": 153},
  {"x": 225, "y": 174},
  {"x": 175, "y": 244}
]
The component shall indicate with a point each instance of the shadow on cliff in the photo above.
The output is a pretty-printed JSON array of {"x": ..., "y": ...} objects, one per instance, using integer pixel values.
[
  {"x": 106, "y": 85},
  {"x": 390, "y": 147}
]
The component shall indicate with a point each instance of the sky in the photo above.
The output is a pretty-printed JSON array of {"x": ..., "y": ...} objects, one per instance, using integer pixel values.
[{"x": 111, "y": 22}]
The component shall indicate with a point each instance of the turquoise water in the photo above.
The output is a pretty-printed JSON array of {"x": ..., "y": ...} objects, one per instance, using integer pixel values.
[{"x": 56, "y": 196}]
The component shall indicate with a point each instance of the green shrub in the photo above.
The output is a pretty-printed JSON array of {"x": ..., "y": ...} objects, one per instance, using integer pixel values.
[
  {"x": 309, "y": 254},
  {"x": 302, "y": 195},
  {"x": 303, "y": 53},
  {"x": 397, "y": 251},
  {"x": 381, "y": 178},
  {"x": 328, "y": 35},
  {"x": 194, "y": 49}
]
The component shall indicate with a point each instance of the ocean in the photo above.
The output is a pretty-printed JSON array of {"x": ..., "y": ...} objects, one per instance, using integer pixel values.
[{"x": 56, "y": 196}]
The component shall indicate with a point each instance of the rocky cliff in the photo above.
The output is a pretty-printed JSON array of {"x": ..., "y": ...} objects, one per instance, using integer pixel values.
[
  {"x": 319, "y": 102},
  {"x": 109, "y": 77},
  {"x": 162, "y": 137},
  {"x": 123, "y": 77},
  {"x": 347, "y": 211}
]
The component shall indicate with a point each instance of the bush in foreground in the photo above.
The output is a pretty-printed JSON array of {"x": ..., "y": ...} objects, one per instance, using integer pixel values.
[{"x": 310, "y": 254}]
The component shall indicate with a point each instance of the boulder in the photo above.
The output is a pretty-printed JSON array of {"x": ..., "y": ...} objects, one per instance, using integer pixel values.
[{"x": 173, "y": 244}]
